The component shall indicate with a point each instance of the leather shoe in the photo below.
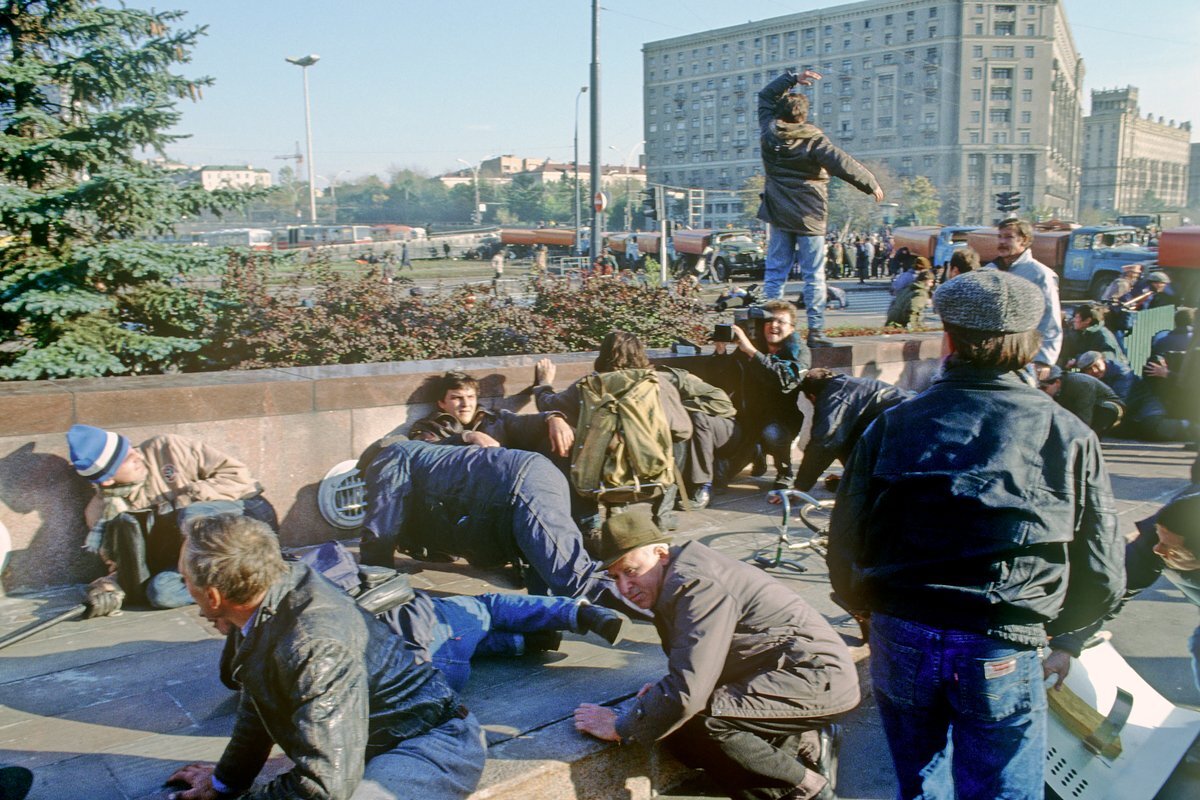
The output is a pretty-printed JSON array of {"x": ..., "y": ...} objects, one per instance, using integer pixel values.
[
  {"x": 758, "y": 464},
  {"x": 604, "y": 622},
  {"x": 542, "y": 641},
  {"x": 701, "y": 497},
  {"x": 827, "y": 759}
]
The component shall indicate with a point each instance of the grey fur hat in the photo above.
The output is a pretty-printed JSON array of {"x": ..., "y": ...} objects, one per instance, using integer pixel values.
[
  {"x": 990, "y": 300},
  {"x": 1085, "y": 360}
]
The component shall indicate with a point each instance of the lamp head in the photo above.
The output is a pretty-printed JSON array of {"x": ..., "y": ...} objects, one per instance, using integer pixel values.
[{"x": 304, "y": 61}]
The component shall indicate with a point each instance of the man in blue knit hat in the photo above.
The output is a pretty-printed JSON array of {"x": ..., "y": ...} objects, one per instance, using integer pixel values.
[{"x": 145, "y": 498}]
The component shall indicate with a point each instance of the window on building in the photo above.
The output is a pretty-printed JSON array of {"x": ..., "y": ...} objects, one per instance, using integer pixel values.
[
  {"x": 910, "y": 15},
  {"x": 846, "y": 106},
  {"x": 845, "y": 44},
  {"x": 1001, "y": 93},
  {"x": 1028, "y": 73},
  {"x": 887, "y": 19},
  {"x": 1031, "y": 30},
  {"x": 888, "y": 38},
  {"x": 975, "y": 116},
  {"x": 1000, "y": 137},
  {"x": 977, "y": 95},
  {"x": 1002, "y": 73},
  {"x": 1004, "y": 28},
  {"x": 653, "y": 126},
  {"x": 1001, "y": 179},
  {"x": 1027, "y": 95},
  {"x": 999, "y": 115},
  {"x": 1029, "y": 51},
  {"x": 909, "y": 35},
  {"x": 889, "y": 58},
  {"x": 977, "y": 51},
  {"x": 866, "y": 84},
  {"x": 977, "y": 72},
  {"x": 866, "y": 62},
  {"x": 1004, "y": 52},
  {"x": 932, "y": 31},
  {"x": 979, "y": 29},
  {"x": 885, "y": 122},
  {"x": 827, "y": 108},
  {"x": 1026, "y": 117},
  {"x": 1024, "y": 137}
]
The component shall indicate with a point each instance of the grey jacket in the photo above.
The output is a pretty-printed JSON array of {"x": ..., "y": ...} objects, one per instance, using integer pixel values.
[
  {"x": 330, "y": 685},
  {"x": 739, "y": 644},
  {"x": 798, "y": 160}
]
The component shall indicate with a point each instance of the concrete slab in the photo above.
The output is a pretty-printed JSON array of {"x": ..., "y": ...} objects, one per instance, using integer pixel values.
[{"x": 114, "y": 705}]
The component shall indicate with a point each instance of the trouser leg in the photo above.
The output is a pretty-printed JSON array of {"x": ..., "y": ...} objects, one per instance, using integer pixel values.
[
  {"x": 516, "y": 613},
  {"x": 780, "y": 254},
  {"x": 444, "y": 763},
  {"x": 709, "y": 435},
  {"x": 751, "y": 759},
  {"x": 125, "y": 544},
  {"x": 777, "y": 438},
  {"x": 812, "y": 271},
  {"x": 463, "y": 623}
]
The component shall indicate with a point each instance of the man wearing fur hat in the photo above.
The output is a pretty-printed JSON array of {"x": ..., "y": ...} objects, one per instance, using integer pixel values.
[
  {"x": 755, "y": 676},
  {"x": 145, "y": 497},
  {"x": 972, "y": 521}
]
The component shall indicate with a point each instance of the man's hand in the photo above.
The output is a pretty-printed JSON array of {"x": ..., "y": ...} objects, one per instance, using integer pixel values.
[
  {"x": 598, "y": 721},
  {"x": 562, "y": 436},
  {"x": 1156, "y": 368},
  {"x": 480, "y": 438},
  {"x": 198, "y": 777},
  {"x": 807, "y": 77},
  {"x": 104, "y": 597},
  {"x": 543, "y": 372},
  {"x": 743, "y": 341},
  {"x": 1058, "y": 664},
  {"x": 878, "y": 194}
]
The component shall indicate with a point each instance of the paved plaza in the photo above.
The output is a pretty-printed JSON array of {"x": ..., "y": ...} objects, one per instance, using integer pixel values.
[{"x": 108, "y": 708}]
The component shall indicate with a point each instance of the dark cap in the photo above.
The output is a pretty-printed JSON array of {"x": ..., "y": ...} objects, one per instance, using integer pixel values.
[{"x": 627, "y": 531}]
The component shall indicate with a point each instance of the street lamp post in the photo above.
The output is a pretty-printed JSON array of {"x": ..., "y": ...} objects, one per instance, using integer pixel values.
[
  {"x": 475, "y": 218},
  {"x": 582, "y": 89},
  {"x": 333, "y": 192},
  {"x": 625, "y": 164},
  {"x": 304, "y": 62}
]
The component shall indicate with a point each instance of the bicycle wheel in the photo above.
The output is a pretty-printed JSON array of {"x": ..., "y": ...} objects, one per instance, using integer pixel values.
[{"x": 816, "y": 517}]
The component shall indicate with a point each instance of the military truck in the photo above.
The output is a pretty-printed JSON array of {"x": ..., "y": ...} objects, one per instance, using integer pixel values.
[{"x": 736, "y": 252}]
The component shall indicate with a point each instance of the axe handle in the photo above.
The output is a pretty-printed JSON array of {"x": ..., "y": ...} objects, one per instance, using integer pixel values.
[{"x": 37, "y": 627}]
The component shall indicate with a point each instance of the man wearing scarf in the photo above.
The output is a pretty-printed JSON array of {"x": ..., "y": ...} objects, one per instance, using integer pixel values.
[{"x": 145, "y": 498}]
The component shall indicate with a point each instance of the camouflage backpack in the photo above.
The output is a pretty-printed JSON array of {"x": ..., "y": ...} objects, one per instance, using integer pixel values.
[{"x": 623, "y": 443}]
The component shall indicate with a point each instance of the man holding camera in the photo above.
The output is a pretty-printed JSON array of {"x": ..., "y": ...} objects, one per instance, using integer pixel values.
[
  {"x": 763, "y": 377},
  {"x": 798, "y": 160}
]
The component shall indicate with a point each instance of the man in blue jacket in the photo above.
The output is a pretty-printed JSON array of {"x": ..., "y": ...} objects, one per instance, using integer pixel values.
[
  {"x": 798, "y": 160},
  {"x": 972, "y": 521}
]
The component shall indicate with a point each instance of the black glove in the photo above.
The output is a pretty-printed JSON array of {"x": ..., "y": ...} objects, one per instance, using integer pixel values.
[{"x": 104, "y": 598}]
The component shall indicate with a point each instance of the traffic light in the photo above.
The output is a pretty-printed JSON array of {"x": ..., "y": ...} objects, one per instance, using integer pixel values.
[
  {"x": 1008, "y": 201},
  {"x": 650, "y": 203}
]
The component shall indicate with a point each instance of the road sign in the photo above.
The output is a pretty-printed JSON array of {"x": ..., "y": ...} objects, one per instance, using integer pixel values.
[{"x": 600, "y": 202}]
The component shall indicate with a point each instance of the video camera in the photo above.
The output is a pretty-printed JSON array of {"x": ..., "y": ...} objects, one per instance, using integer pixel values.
[{"x": 744, "y": 318}]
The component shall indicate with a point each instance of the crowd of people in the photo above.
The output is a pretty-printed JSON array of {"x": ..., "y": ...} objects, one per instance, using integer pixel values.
[{"x": 974, "y": 526}]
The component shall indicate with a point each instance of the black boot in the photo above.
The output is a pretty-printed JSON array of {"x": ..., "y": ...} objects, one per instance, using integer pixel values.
[
  {"x": 542, "y": 641},
  {"x": 603, "y": 622}
]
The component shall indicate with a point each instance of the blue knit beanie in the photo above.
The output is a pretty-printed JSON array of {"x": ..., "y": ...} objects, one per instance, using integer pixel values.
[{"x": 96, "y": 453}]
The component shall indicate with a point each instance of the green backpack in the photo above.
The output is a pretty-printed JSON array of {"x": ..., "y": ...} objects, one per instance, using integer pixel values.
[{"x": 623, "y": 443}]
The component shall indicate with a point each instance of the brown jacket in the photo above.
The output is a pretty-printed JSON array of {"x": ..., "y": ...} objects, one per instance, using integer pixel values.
[
  {"x": 182, "y": 471},
  {"x": 739, "y": 644}
]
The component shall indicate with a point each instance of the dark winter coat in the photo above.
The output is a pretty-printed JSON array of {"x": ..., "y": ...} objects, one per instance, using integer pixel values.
[
  {"x": 798, "y": 160},
  {"x": 765, "y": 387},
  {"x": 739, "y": 644},
  {"x": 517, "y": 431},
  {"x": 978, "y": 505},
  {"x": 841, "y": 413}
]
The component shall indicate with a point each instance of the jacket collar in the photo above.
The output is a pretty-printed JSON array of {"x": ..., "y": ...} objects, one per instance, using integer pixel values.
[
  {"x": 789, "y": 349},
  {"x": 956, "y": 371}
]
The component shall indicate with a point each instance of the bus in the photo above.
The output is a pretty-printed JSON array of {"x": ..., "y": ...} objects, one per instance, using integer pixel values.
[
  {"x": 253, "y": 238},
  {"x": 298, "y": 236}
]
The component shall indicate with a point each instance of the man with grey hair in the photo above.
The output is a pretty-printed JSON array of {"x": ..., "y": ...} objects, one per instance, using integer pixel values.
[
  {"x": 971, "y": 521},
  {"x": 1014, "y": 256},
  {"x": 755, "y": 676},
  {"x": 322, "y": 679}
]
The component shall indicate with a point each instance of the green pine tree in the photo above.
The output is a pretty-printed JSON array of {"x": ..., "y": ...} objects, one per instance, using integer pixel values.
[{"x": 85, "y": 92}]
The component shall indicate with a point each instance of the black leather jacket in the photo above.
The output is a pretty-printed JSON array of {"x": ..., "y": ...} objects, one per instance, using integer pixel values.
[
  {"x": 330, "y": 685},
  {"x": 978, "y": 505}
]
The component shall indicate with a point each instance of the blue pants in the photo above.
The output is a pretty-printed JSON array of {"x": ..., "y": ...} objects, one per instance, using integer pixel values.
[
  {"x": 964, "y": 713},
  {"x": 444, "y": 763},
  {"x": 490, "y": 625},
  {"x": 786, "y": 247}
]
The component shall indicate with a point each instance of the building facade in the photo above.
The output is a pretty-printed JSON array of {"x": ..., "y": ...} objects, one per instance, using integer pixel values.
[
  {"x": 978, "y": 97},
  {"x": 1193, "y": 201},
  {"x": 231, "y": 177},
  {"x": 1129, "y": 161}
]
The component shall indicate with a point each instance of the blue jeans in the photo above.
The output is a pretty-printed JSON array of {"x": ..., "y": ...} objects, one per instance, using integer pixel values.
[
  {"x": 444, "y": 763},
  {"x": 783, "y": 249},
  {"x": 490, "y": 624},
  {"x": 964, "y": 714}
]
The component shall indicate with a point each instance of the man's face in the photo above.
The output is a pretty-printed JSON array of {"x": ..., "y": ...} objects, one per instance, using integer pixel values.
[
  {"x": 1174, "y": 551},
  {"x": 132, "y": 469},
  {"x": 639, "y": 574},
  {"x": 461, "y": 403},
  {"x": 1132, "y": 273},
  {"x": 778, "y": 328},
  {"x": 1051, "y": 388},
  {"x": 1157, "y": 286},
  {"x": 1096, "y": 369},
  {"x": 1080, "y": 323},
  {"x": 207, "y": 601},
  {"x": 1011, "y": 243}
]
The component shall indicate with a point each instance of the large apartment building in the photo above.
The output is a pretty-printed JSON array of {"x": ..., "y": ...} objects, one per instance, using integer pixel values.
[
  {"x": 978, "y": 97},
  {"x": 1128, "y": 158}
]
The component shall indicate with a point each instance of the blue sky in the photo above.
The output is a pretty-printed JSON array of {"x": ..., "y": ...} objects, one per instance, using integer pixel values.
[{"x": 420, "y": 84}]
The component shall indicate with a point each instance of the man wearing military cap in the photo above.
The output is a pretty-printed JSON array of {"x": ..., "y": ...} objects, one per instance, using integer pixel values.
[
  {"x": 973, "y": 520},
  {"x": 755, "y": 676}
]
